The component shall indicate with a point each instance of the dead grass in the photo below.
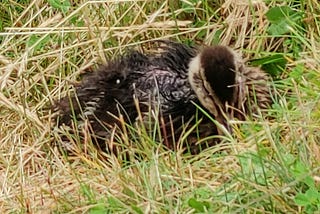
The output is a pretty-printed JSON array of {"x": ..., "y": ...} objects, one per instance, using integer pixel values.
[{"x": 44, "y": 48}]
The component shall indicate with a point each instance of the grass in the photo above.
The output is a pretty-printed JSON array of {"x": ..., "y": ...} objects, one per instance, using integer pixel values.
[{"x": 270, "y": 164}]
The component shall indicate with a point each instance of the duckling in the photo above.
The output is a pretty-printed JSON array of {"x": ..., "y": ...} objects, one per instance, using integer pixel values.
[
  {"x": 223, "y": 84},
  {"x": 173, "y": 83}
]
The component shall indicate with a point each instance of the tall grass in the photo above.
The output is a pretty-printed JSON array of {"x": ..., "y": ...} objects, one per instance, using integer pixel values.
[{"x": 270, "y": 164}]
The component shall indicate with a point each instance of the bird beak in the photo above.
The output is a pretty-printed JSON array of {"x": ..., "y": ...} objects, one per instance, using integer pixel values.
[{"x": 223, "y": 118}]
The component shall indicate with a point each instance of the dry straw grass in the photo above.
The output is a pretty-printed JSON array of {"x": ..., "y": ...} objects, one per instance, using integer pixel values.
[{"x": 45, "y": 49}]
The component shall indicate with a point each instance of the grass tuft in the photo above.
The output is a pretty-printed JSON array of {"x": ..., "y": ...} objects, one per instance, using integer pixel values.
[{"x": 269, "y": 165}]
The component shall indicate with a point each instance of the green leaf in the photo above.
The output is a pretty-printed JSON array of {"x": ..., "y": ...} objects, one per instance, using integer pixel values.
[
  {"x": 77, "y": 21},
  {"x": 299, "y": 169},
  {"x": 301, "y": 200},
  {"x": 279, "y": 29},
  {"x": 275, "y": 58},
  {"x": 282, "y": 20},
  {"x": 63, "y": 5},
  {"x": 310, "y": 182},
  {"x": 277, "y": 14},
  {"x": 41, "y": 41},
  {"x": 313, "y": 195},
  {"x": 273, "y": 64},
  {"x": 297, "y": 72},
  {"x": 198, "y": 205}
]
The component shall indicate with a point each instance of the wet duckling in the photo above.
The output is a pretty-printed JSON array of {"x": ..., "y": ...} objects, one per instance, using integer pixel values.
[
  {"x": 225, "y": 86},
  {"x": 170, "y": 83}
]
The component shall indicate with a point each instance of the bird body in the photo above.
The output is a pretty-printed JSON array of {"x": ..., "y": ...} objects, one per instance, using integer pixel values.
[{"x": 170, "y": 83}]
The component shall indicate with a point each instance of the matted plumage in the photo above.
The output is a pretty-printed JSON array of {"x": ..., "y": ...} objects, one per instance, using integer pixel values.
[{"x": 171, "y": 82}]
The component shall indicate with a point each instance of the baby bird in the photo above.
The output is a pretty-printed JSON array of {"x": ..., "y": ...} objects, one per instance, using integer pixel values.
[
  {"x": 225, "y": 86},
  {"x": 171, "y": 83}
]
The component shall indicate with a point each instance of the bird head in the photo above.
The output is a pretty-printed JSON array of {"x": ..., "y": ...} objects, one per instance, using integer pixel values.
[{"x": 212, "y": 75}]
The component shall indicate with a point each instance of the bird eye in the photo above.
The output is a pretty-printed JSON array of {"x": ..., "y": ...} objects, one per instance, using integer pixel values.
[{"x": 118, "y": 81}]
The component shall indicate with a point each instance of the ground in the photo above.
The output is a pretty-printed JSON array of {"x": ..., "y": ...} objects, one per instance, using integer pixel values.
[{"x": 270, "y": 164}]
